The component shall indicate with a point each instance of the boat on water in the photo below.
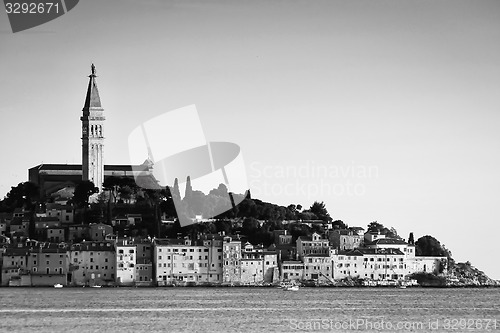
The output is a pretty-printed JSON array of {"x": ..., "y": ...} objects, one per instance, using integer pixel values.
[
  {"x": 58, "y": 285},
  {"x": 292, "y": 288},
  {"x": 289, "y": 286},
  {"x": 96, "y": 286}
]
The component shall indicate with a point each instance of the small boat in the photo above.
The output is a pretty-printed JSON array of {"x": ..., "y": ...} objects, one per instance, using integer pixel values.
[
  {"x": 58, "y": 285},
  {"x": 96, "y": 286},
  {"x": 292, "y": 288}
]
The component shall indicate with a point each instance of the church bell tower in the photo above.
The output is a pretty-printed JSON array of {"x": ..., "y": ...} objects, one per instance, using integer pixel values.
[{"x": 92, "y": 134}]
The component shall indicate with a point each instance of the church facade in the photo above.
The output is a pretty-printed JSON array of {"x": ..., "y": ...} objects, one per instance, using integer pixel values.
[{"x": 54, "y": 177}]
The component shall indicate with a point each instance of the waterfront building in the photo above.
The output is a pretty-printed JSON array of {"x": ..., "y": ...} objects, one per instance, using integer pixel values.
[
  {"x": 126, "y": 262},
  {"x": 14, "y": 264},
  {"x": 292, "y": 270},
  {"x": 48, "y": 264},
  {"x": 258, "y": 265},
  {"x": 347, "y": 264},
  {"x": 384, "y": 264},
  {"x": 231, "y": 268},
  {"x": 183, "y": 261},
  {"x": 318, "y": 267},
  {"x": 92, "y": 263},
  {"x": 144, "y": 262}
]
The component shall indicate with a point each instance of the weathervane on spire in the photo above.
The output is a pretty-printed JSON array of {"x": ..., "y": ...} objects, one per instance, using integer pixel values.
[{"x": 92, "y": 68}]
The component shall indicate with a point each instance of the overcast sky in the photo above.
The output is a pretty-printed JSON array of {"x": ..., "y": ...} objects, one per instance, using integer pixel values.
[{"x": 384, "y": 110}]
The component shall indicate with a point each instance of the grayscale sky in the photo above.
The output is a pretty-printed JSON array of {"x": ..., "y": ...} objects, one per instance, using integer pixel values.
[{"x": 385, "y": 110}]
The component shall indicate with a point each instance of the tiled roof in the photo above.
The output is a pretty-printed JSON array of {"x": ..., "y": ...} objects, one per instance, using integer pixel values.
[
  {"x": 387, "y": 241},
  {"x": 381, "y": 251},
  {"x": 168, "y": 241},
  {"x": 354, "y": 252},
  {"x": 93, "y": 246},
  {"x": 317, "y": 255},
  {"x": 390, "y": 241},
  {"x": 15, "y": 252}
]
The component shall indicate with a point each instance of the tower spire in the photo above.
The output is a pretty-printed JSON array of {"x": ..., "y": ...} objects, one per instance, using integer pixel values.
[{"x": 92, "y": 99}]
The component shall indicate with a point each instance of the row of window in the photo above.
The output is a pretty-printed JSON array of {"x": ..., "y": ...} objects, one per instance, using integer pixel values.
[
  {"x": 97, "y": 267},
  {"x": 184, "y": 265},
  {"x": 58, "y": 270},
  {"x": 182, "y": 277},
  {"x": 75, "y": 260},
  {"x": 185, "y": 250},
  {"x": 129, "y": 251}
]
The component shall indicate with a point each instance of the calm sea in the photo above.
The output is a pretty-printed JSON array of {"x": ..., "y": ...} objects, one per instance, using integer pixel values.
[{"x": 248, "y": 310}]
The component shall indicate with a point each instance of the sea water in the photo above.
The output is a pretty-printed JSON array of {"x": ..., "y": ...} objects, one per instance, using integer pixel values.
[{"x": 249, "y": 310}]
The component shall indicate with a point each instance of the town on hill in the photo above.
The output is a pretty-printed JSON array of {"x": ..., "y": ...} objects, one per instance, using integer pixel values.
[{"x": 131, "y": 237}]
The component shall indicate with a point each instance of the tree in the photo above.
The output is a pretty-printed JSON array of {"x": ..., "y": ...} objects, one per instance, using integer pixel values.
[
  {"x": 430, "y": 246},
  {"x": 83, "y": 191},
  {"x": 319, "y": 209},
  {"x": 307, "y": 215},
  {"x": 23, "y": 195},
  {"x": 375, "y": 227},
  {"x": 339, "y": 224}
]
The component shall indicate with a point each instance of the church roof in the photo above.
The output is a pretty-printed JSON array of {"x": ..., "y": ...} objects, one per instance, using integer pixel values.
[
  {"x": 113, "y": 167},
  {"x": 92, "y": 99}
]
